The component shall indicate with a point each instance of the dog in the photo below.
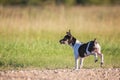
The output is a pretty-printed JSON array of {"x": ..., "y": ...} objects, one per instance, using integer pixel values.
[{"x": 82, "y": 50}]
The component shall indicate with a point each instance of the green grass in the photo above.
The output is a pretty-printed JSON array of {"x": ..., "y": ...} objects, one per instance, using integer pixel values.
[
  {"x": 47, "y": 53},
  {"x": 32, "y": 40},
  {"x": 34, "y": 53}
]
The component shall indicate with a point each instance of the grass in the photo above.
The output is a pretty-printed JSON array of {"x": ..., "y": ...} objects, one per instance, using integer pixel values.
[{"x": 29, "y": 35}]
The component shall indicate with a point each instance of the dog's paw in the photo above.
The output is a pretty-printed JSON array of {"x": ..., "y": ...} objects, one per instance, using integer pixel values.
[
  {"x": 101, "y": 64},
  {"x": 76, "y": 69},
  {"x": 96, "y": 60}
]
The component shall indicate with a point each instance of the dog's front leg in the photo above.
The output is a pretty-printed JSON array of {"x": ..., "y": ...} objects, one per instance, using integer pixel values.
[
  {"x": 81, "y": 62},
  {"x": 76, "y": 63}
]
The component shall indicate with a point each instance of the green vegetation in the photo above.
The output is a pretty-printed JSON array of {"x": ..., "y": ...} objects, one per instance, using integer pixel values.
[
  {"x": 58, "y": 2},
  {"x": 29, "y": 36}
]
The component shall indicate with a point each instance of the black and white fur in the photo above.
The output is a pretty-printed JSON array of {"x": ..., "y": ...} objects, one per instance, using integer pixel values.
[{"x": 82, "y": 50}]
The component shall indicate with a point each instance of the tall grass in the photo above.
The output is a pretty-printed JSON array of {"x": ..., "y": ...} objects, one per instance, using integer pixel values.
[{"x": 29, "y": 35}]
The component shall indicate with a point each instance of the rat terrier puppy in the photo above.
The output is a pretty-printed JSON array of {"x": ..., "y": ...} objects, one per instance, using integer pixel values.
[{"x": 82, "y": 50}]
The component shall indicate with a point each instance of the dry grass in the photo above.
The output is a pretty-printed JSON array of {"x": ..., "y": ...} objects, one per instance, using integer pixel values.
[{"x": 52, "y": 18}]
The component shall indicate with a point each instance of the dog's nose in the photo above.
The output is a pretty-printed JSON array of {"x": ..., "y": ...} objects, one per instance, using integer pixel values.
[{"x": 61, "y": 41}]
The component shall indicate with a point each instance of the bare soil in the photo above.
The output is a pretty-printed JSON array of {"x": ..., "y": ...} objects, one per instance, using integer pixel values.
[{"x": 62, "y": 74}]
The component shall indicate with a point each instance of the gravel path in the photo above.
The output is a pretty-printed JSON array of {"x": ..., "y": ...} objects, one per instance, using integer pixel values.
[{"x": 61, "y": 74}]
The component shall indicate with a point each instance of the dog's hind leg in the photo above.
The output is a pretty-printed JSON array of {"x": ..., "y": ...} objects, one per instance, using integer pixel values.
[
  {"x": 98, "y": 51},
  {"x": 96, "y": 57},
  {"x": 102, "y": 58}
]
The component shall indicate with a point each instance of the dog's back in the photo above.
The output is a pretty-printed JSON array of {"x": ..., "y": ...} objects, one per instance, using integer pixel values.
[{"x": 83, "y": 47}]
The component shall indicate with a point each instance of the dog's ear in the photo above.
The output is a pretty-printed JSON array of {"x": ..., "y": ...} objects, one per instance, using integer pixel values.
[
  {"x": 69, "y": 33},
  {"x": 95, "y": 40}
]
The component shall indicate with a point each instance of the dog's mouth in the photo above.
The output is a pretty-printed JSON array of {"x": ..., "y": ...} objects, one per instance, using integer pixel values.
[{"x": 61, "y": 41}]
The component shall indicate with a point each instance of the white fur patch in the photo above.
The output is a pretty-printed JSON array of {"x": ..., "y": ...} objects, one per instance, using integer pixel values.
[{"x": 75, "y": 48}]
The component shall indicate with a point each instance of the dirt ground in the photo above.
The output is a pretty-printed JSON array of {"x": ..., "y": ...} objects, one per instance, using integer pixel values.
[{"x": 61, "y": 74}]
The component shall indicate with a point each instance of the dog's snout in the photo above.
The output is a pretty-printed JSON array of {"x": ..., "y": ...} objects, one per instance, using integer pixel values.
[{"x": 61, "y": 41}]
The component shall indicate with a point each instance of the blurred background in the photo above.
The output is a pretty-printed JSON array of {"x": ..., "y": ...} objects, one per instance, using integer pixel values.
[
  {"x": 59, "y": 2},
  {"x": 30, "y": 31}
]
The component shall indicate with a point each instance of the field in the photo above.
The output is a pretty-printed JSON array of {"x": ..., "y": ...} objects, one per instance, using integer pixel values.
[
  {"x": 29, "y": 36},
  {"x": 62, "y": 74}
]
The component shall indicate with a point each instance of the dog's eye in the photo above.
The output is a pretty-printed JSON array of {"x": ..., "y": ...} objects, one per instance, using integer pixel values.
[{"x": 65, "y": 38}]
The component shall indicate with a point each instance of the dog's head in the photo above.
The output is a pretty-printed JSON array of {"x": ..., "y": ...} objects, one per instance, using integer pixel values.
[{"x": 68, "y": 38}]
